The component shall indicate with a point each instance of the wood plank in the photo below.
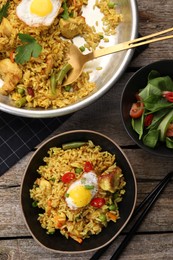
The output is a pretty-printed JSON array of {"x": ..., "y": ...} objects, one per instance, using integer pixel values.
[
  {"x": 154, "y": 16},
  {"x": 149, "y": 247}
]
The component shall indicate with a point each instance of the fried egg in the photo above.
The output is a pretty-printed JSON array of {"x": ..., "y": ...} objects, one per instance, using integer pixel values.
[
  {"x": 81, "y": 192},
  {"x": 38, "y": 12}
]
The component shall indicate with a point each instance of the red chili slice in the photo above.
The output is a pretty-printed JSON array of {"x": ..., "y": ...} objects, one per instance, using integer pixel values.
[
  {"x": 148, "y": 120},
  {"x": 169, "y": 131},
  {"x": 68, "y": 177},
  {"x": 30, "y": 91},
  {"x": 88, "y": 167},
  {"x": 97, "y": 202},
  {"x": 168, "y": 95}
]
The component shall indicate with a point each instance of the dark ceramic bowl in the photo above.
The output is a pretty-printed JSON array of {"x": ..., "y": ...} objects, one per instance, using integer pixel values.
[
  {"x": 57, "y": 242},
  {"x": 134, "y": 84}
]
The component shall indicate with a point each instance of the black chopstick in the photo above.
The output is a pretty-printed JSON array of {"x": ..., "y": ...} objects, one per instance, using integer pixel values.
[{"x": 152, "y": 196}]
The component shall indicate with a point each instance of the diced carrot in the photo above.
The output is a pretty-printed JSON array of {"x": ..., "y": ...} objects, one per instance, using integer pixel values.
[
  {"x": 112, "y": 216},
  {"x": 12, "y": 56},
  {"x": 49, "y": 203},
  {"x": 78, "y": 239},
  {"x": 59, "y": 221}
]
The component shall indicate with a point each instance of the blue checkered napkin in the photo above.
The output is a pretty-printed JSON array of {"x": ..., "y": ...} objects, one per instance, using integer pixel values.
[{"x": 19, "y": 135}]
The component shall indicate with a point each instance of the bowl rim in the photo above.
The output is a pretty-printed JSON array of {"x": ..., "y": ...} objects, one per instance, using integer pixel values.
[
  {"x": 135, "y": 136},
  {"x": 131, "y": 211}
]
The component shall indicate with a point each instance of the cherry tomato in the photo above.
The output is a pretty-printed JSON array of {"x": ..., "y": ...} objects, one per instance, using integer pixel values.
[
  {"x": 138, "y": 98},
  {"x": 169, "y": 131},
  {"x": 97, "y": 202},
  {"x": 148, "y": 120},
  {"x": 68, "y": 177},
  {"x": 137, "y": 110},
  {"x": 168, "y": 95},
  {"x": 88, "y": 167}
]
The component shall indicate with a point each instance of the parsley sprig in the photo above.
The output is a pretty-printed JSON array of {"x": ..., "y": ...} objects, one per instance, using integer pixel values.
[
  {"x": 4, "y": 10},
  {"x": 29, "y": 49}
]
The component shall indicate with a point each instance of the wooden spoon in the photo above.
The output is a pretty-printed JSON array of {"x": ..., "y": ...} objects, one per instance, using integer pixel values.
[{"x": 78, "y": 60}]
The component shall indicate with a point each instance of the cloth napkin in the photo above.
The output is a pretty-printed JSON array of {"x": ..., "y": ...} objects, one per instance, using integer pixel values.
[{"x": 19, "y": 135}]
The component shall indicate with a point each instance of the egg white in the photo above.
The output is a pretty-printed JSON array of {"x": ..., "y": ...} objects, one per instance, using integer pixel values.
[
  {"x": 24, "y": 14},
  {"x": 88, "y": 178},
  {"x": 1, "y": 83}
]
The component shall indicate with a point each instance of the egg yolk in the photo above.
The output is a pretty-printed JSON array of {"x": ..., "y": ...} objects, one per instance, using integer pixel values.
[
  {"x": 41, "y": 7},
  {"x": 80, "y": 196}
]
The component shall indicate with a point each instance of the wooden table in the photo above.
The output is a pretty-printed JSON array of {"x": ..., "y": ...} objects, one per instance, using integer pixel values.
[{"x": 154, "y": 239}]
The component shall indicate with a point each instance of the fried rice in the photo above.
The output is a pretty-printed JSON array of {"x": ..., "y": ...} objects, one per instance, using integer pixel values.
[
  {"x": 33, "y": 87},
  {"x": 49, "y": 191}
]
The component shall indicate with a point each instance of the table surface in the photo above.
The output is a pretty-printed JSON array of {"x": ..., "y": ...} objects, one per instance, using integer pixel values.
[{"x": 154, "y": 238}]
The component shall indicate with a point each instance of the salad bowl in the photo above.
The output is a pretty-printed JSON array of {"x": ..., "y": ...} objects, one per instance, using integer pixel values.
[{"x": 151, "y": 88}]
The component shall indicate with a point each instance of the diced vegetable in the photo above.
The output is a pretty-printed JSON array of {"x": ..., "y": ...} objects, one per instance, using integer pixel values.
[
  {"x": 72, "y": 145},
  {"x": 88, "y": 167},
  {"x": 82, "y": 48},
  {"x": 112, "y": 207},
  {"x": 53, "y": 84},
  {"x": 34, "y": 204},
  {"x": 68, "y": 177},
  {"x": 20, "y": 102},
  {"x": 78, "y": 170},
  {"x": 137, "y": 110},
  {"x": 168, "y": 95},
  {"x": 148, "y": 119},
  {"x": 56, "y": 79},
  {"x": 112, "y": 216},
  {"x": 63, "y": 73},
  {"x": 111, "y": 4},
  {"x": 78, "y": 239},
  {"x": 97, "y": 202},
  {"x": 102, "y": 217}
]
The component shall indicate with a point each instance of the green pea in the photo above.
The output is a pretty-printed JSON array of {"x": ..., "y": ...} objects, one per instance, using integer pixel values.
[
  {"x": 34, "y": 204},
  {"x": 78, "y": 170},
  {"x": 102, "y": 217},
  {"x": 82, "y": 48},
  {"x": 67, "y": 88},
  {"x": 112, "y": 207},
  {"x": 111, "y": 4},
  {"x": 21, "y": 91}
]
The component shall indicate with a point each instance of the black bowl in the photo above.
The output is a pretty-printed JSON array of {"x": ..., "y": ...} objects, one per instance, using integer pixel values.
[
  {"x": 57, "y": 242},
  {"x": 134, "y": 84}
]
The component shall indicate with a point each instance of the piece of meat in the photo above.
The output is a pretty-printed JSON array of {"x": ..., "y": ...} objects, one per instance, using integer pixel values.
[
  {"x": 71, "y": 27},
  {"x": 6, "y": 28},
  {"x": 11, "y": 74},
  {"x": 110, "y": 181}
]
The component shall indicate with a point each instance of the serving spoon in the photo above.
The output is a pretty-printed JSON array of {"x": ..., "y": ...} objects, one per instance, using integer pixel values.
[{"x": 78, "y": 60}]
